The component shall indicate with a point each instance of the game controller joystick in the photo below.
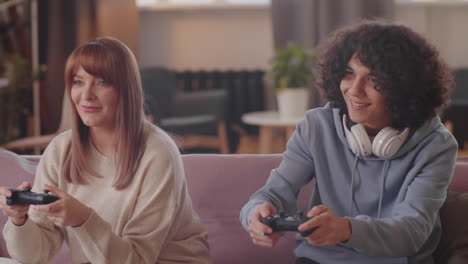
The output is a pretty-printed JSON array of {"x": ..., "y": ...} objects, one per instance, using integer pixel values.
[
  {"x": 27, "y": 197},
  {"x": 283, "y": 222}
]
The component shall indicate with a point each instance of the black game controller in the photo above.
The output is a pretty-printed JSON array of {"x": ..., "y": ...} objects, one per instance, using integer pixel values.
[
  {"x": 27, "y": 197},
  {"x": 283, "y": 222}
]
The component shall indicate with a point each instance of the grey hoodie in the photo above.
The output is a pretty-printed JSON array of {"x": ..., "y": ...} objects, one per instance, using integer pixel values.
[{"x": 392, "y": 204}]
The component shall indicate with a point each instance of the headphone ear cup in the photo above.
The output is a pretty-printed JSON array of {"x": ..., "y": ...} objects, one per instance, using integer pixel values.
[
  {"x": 363, "y": 140},
  {"x": 357, "y": 138},
  {"x": 388, "y": 141},
  {"x": 353, "y": 144},
  {"x": 352, "y": 141}
]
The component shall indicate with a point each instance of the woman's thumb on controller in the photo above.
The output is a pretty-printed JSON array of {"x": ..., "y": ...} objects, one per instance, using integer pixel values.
[{"x": 53, "y": 190}]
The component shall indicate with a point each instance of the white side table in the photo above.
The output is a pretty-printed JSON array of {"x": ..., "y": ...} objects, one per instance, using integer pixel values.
[{"x": 268, "y": 121}]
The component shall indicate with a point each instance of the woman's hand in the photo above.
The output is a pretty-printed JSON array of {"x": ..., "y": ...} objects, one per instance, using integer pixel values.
[
  {"x": 257, "y": 229},
  {"x": 17, "y": 213},
  {"x": 64, "y": 212},
  {"x": 331, "y": 228}
]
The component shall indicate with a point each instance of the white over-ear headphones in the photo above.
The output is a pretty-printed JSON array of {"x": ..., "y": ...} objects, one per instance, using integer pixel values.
[{"x": 385, "y": 144}]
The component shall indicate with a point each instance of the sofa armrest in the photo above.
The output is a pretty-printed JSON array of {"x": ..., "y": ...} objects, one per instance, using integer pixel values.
[
  {"x": 453, "y": 246},
  {"x": 15, "y": 170},
  {"x": 460, "y": 179}
]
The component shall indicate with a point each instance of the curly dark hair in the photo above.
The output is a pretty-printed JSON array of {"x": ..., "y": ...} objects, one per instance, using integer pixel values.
[{"x": 409, "y": 70}]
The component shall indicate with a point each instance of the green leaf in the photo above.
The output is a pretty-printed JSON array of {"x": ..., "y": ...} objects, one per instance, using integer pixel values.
[{"x": 291, "y": 67}]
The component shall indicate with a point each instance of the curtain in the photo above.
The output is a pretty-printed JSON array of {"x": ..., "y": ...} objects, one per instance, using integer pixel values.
[
  {"x": 61, "y": 39},
  {"x": 310, "y": 21}
]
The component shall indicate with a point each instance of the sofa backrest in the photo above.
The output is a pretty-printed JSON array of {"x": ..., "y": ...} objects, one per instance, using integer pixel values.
[
  {"x": 14, "y": 169},
  {"x": 219, "y": 185},
  {"x": 460, "y": 177}
]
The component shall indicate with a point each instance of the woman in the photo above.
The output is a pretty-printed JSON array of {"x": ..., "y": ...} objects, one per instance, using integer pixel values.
[
  {"x": 380, "y": 155},
  {"x": 120, "y": 179}
]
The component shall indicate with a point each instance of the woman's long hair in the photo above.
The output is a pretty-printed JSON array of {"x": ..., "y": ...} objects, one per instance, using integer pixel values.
[{"x": 113, "y": 61}]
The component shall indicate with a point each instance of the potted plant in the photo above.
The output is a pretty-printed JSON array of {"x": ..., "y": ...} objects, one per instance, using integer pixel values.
[{"x": 291, "y": 76}]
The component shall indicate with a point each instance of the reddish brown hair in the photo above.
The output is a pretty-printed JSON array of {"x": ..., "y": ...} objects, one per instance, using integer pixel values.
[{"x": 113, "y": 61}]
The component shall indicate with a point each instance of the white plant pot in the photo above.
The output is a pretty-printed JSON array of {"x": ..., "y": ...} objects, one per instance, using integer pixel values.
[{"x": 292, "y": 103}]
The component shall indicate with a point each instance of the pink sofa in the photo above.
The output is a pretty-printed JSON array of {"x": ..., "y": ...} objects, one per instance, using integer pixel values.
[{"x": 220, "y": 185}]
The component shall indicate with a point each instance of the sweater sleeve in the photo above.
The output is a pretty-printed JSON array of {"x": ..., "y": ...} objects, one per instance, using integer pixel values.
[
  {"x": 146, "y": 231},
  {"x": 284, "y": 183},
  {"x": 38, "y": 240},
  {"x": 412, "y": 221}
]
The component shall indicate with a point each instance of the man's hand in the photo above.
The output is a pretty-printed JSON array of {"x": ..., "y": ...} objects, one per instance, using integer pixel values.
[
  {"x": 17, "y": 213},
  {"x": 331, "y": 228},
  {"x": 257, "y": 229},
  {"x": 64, "y": 212}
]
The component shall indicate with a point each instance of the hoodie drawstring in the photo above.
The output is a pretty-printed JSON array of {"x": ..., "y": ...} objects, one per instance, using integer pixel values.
[
  {"x": 382, "y": 186},
  {"x": 351, "y": 188},
  {"x": 383, "y": 177}
]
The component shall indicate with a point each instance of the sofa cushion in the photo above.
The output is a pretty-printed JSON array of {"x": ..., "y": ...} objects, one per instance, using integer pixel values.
[
  {"x": 219, "y": 185},
  {"x": 14, "y": 170},
  {"x": 453, "y": 246}
]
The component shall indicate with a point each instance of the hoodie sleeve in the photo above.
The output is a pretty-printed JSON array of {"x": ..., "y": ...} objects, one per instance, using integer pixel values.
[
  {"x": 285, "y": 182},
  {"x": 412, "y": 221}
]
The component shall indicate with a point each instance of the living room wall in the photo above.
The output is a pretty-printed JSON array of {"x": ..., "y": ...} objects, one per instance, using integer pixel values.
[
  {"x": 240, "y": 38},
  {"x": 443, "y": 23},
  {"x": 206, "y": 39}
]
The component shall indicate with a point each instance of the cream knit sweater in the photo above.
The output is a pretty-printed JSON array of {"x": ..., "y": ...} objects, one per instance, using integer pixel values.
[{"x": 150, "y": 221}]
